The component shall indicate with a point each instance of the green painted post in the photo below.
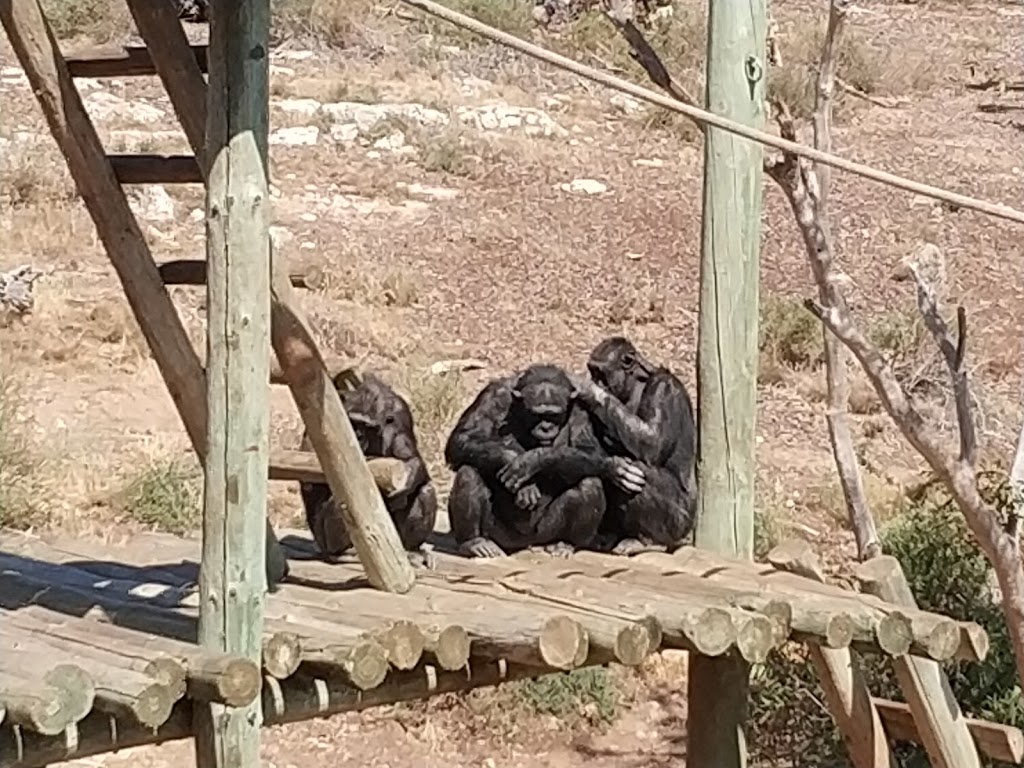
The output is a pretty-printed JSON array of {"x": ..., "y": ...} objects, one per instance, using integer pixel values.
[
  {"x": 232, "y": 579},
  {"x": 727, "y": 354}
]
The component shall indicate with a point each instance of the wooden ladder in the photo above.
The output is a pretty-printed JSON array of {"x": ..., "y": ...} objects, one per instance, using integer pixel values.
[{"x": 99, "y": 178}]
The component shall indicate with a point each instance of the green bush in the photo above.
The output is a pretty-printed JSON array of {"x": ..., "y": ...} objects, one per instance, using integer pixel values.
[
  {"x": 790, "y": 723},
  {"x": 590, "y": 693}
]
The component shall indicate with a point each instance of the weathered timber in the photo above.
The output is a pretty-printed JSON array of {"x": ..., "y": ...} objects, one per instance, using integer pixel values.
[
  {"x": 178, "y": 630},
  {"x": 177, "y": 64},
  {"x": 333, "y": 363},
  {"x": 876, "y": 624},
  {"x": 303, "y": 466},
  {"x": 193, "y": 272},
  {"x": 132, "y": 696},
  {"x": 33, "y": 663},
  {"x": 127, "y": 61},
  {"x": 402, "y": 640},
  {"x": 362, "y": 663},
  {"x": 37, "y": 706},
  {"x": 232, "y": 580},
  {"x": 839, "y": 671},
  {"x": 446, "y": 646},
  {"x": 223, "y": 679},
  {"x": 940, "y": 723},
  {"x": 1002, "y": 743},
  {"x": 293, "y": 700},
  {"x": 156, "y": 169}
]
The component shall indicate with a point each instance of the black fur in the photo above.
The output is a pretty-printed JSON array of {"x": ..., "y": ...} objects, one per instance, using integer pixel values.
[
  {"x": 384, "y": 426},
  {"x": 528, "y": 468},
  {"x": 643, "y": 413}
]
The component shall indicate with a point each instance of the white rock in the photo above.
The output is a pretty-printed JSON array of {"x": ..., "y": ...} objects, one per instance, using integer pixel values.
[
  {"x": 642, "y": 162},
  {"x": 296, "y": 136},
  {"x": 626, "y": 104},
  {"x": 503, "y": 117},
  {"x": 197, "y": 214},
  {"x": 586, "y": 186},
  {"x": 308, "y": 217},
  {"x": 134, "y": 141},
  {"x": 365, "y": 116},
  {"x": 152, "y": 202},
  {"x": 391, "y": 142},
  {"x": 280, "y": 236},
  {"x": 344, "y": 133},
  {"x": 432, "y": 193},
  {"x": 296, "y": 55},
  {"x": 104, "y": 105},
  {"x": 277, "y": 69},
  {"x": 307, "y": 245},
  {"x": 11, "y": 72},
  {"x": 304, "y": 107}
]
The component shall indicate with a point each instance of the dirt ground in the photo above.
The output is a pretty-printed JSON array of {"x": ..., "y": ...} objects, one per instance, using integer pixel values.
[{"x": 436, "y": 243}]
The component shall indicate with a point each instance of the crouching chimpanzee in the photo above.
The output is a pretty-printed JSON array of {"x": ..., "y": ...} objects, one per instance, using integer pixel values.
[
  {"x": 529, "y": 471},
  {"x": 642, "y": 412},
  {"x": 384, "y": 427}
]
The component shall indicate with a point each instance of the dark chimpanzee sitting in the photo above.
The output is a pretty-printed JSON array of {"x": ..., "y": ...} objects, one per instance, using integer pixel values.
[
  {"x": 383, "y": 425},
  {"x": 529, "y": 470},
  {"x": 643, "y": 413}
]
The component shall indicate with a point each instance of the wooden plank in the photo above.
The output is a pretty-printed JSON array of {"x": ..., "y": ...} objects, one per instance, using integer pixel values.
[
  {"x": 127, "y": 61},
  {"x": 156, "y": 169},
  {"x": 1002, "y": 743},
  {"x": 727, "y": 352},
  {"x": 937, "y": 716},
  {"x": 178, "y": 66},
  {"x": 232, "y": 581},
  {"x": 118, "y": 230},
  {"x": 193, "y": 272}
]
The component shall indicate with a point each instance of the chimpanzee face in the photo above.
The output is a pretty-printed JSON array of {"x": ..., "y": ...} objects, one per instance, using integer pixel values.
[
  {"x": 616, "y": 366},
  {"x": 544, "y": 408}
]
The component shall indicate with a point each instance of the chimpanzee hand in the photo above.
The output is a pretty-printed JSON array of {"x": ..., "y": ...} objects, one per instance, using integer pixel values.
[
  {"x": 627, "y": 475},
  {"x": 528, "y": 497},
  {"x": 586, "y": 389},
  {"x": 518, "y": 471}
]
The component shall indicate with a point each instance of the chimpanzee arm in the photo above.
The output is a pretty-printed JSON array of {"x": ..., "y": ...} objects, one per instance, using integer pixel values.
[
  {"x": 405, "y": 449},
  {"x": 643, "y": 435},
  {"x": 576, "y": 455},
  {"x": 476, "y": 440}
]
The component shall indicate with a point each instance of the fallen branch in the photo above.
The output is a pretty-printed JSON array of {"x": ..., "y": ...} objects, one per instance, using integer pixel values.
[{"x": 878, "y": 101}]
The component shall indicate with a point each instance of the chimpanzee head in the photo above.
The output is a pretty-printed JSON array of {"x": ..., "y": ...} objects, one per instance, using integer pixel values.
[
  {"x": 617, "y": 366},
  {"x": 378, "y": 416},
  {"x": 542, "y": 396}
]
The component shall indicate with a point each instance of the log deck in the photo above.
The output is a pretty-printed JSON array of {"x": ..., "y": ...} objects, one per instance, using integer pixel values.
[{"x": 124, "y": 620}]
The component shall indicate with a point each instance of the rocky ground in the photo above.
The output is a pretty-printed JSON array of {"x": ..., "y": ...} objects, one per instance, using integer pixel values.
[{"x": 455, "y": 201}]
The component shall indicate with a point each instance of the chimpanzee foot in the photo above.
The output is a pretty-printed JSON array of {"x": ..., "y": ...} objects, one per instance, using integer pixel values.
[
  {"x": 422, "y": 558},
  {"x": 560, "y": 549},
  {"x": 481, "y": 547},
  {"x": 630, "y": 547}
]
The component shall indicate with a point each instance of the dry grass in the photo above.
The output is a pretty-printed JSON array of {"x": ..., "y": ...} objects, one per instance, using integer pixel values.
[
  {"x": 164, "y": 496},
  {"x": 22, "y": 499}
]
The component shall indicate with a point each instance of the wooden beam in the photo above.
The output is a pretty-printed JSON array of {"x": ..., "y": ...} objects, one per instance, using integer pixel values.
[
  {"x": 178, "y": 65},
  {"x": 937, "y": 716},
  {"x": 727, "y": 352},
  {"x": 1002, "y": 743},
  {"x": 156, "y": 169},
  {"x": 127, "y": 61},
  {"x": 40, "y": 57},
  {"x": 232, "y": 583},
  {"x": 193, "y": 272}
]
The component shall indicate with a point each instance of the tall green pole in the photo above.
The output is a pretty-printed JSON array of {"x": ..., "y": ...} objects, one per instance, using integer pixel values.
[
  {"x": 232, "y": 581},
  {"x": 727, "y": 354}
]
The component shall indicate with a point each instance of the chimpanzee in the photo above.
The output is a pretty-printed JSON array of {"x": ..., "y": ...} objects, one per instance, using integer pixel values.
[
  {"x": 384, "y": 427},
  {"x": 643, "y": 412},
  {"x": 529, "y": 469}
]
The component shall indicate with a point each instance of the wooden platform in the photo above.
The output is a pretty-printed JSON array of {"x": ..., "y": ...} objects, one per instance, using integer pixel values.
[{"x": 125, "y": 618}]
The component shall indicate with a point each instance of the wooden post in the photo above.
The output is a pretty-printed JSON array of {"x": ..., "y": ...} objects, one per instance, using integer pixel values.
[
  {"x": 937, "y": 716},
  {"x": 231, "y": 579},
  {"x": 727, "y": 352}
]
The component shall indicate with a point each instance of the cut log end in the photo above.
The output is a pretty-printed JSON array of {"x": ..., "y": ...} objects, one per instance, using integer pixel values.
[
  {"x": 281, "y": 654},
  {"x": 780, "y": 613},
  {"x": 563, "y": 643},
  {"x": 367, "y": 665},
  {"x": 894, "y": 634},
  {"x": 231, "y": 681},
  {"x": 404, "y": 643},
  {"x": 940, "y": 641},
  {"x": 838, "y": 631},
  {"x": 974, "y": 642},
  {"x": 633, "y": 644},
  {"x": 712, "y": 633},
  {"x": 755, "y": 636},
  {"x": 43, "y": 711},
  {"x": 170, "y": 673},
  {"x": 451, "y": 648},
  {"x": 78, "y": 687}
]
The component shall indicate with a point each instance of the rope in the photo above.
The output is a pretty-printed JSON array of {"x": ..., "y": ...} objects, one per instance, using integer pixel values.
[{"x": 709, "y": 118}]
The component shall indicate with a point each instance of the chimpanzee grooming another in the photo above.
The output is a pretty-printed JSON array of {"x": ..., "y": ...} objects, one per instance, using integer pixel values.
[
  {"x": 529, "y": 470},
  {"x": 384, "y": 427},
  {"x": 642, "y": 412}
]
